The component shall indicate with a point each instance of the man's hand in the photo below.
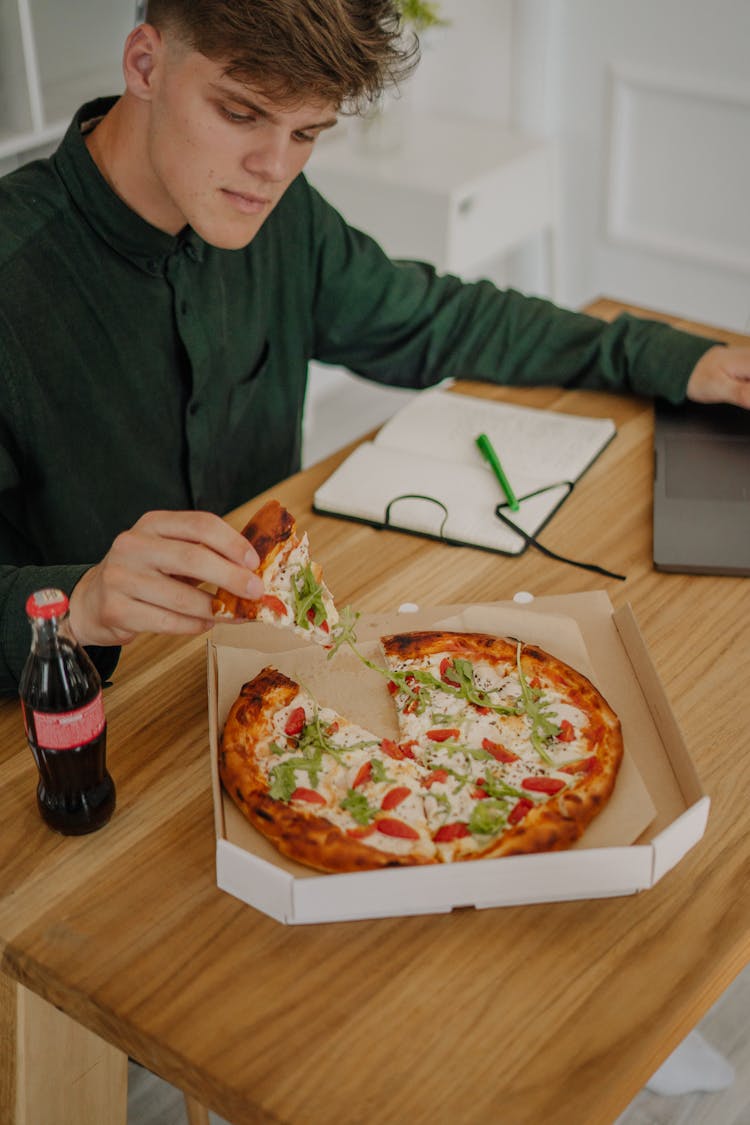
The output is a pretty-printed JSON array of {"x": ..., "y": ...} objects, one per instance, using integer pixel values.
[
  {"x": 722, "y": 375},
  {"x": 147, "y": 581}
]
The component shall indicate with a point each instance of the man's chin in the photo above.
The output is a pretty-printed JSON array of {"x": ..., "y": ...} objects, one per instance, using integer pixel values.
[{"x": 229, "y": 235}]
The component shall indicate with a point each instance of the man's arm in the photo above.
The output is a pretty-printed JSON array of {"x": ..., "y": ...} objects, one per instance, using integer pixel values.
[
  {"x": 146, "y": 583},
  {"x": 403, "y": 324}
]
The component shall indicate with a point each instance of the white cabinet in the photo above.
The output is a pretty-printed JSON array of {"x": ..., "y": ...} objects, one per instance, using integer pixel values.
[
  {"x": 55, "y": 55},
  {"x": 454, "y": 193}
]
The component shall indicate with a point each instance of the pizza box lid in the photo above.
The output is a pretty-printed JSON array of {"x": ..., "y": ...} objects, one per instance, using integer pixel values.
[{"x": 657, "y": 813}]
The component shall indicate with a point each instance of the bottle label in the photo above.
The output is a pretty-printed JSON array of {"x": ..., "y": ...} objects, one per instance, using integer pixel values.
[{"x": 65, "y": 729}]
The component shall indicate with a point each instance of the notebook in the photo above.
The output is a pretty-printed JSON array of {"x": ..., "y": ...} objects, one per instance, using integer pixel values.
[
  {"x": 702, "y": 489},
  {"x": 424, "y": 474}
]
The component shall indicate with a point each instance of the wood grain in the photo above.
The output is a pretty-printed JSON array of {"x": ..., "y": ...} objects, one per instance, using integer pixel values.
[{"x": 554, "y": 1013}]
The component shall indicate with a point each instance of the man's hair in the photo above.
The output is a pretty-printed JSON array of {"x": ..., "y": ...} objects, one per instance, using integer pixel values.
[{"x": 341, "y": 51}]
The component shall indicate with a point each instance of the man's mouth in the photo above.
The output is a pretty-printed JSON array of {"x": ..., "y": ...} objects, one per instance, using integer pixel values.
[{"x": 245, "y": 202}]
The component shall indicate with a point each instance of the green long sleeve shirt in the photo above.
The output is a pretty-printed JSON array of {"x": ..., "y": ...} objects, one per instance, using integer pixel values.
[{"x": 142, "y": 371}]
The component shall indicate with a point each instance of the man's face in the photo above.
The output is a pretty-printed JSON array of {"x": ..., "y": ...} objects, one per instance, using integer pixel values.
[{"x": 221, "y": 154}]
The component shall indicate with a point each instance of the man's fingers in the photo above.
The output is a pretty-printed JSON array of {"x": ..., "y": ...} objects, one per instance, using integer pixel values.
[
  {"x": 150, "y": 579},
  {"x": 140, "y": 551},
  {"x": 203, "y": 528}
]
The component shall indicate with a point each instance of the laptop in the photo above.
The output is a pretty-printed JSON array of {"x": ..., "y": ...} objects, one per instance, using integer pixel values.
[{"x": 702, "y": 489}]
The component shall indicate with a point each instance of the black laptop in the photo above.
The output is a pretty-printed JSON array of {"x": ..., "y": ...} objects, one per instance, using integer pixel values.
[{"x": 702, "y": 489}]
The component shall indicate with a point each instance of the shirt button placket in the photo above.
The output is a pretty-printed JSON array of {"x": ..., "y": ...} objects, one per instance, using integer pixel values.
[{"x": 179, "y": 269}]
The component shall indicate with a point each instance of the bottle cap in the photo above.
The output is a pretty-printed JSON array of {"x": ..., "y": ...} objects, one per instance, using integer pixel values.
[{"x": 46, "y": 604}]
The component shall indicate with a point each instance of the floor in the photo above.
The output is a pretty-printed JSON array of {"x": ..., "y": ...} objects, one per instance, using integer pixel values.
[{"x": 339, "y": 409}]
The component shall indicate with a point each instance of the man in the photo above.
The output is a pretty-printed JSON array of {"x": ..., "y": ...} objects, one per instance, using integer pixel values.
[{"x": 164, "y": 280}]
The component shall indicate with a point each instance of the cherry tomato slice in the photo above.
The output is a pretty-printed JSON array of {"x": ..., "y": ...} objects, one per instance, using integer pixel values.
[
  {"x": 308, "y": 795},
  {"x": 442, "y": 734},
  {"x": 394, "y": 797},
  {"x": 543, "y": 784},
  {"x": 436, "y": 775},
  {"x": 389, "y": 826},
  {"x": 451, "y": 832},
  {"x": 519, "y": 810},
  {"x": 295, "y": 722},
  {"x": 364, "y": 773},
  {"x": 270, "y": 601},
  {"x": 498, "y": 751}
]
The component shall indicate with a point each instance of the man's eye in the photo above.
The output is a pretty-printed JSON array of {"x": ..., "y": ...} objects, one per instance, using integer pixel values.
[
  {"x": 308, "y": 138},
  {"x": 236, "y": 117}
]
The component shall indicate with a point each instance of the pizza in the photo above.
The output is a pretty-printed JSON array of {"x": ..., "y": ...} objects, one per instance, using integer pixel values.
[
  {"x": 296, "y": 595},
  {"x": 502, "y": 750}
]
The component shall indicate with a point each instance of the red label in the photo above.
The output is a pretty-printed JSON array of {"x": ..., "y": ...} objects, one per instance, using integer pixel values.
[{"x": 66, "y": 729}]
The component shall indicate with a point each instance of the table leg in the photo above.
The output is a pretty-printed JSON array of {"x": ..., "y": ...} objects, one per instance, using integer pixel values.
[
  {"x": 53, "y": 1071},
  {"x": 197, "y": 1114}
]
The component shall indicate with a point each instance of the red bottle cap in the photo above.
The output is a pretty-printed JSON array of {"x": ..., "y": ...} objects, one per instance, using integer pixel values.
[{"x": 46, "y": 604}]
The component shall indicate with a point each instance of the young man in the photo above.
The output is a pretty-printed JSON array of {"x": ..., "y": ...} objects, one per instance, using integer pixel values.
[{"x": 165, "y": 279}]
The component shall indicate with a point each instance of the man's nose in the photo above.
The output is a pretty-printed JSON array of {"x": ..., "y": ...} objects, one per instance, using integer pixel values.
[{"x": 269, "y": 160}]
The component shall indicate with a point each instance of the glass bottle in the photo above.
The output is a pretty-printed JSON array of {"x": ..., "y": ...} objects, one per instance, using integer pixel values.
[{"x": 61, "y": 699}]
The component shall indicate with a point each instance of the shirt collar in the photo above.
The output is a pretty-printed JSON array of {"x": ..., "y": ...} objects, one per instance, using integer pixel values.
[{"x": 124, "y": 230}]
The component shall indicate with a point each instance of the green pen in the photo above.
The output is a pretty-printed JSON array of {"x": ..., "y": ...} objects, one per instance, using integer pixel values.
[{"x": 488, "y": 452}]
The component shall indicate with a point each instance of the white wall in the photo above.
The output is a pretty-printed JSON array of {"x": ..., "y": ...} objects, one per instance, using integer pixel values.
[
  {"x": 650, "y": 100},
  {"x": 650, "y": 103}
]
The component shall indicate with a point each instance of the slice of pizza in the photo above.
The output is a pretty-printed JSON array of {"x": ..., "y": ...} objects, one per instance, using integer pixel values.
[
  {"x": 296, "y": 595},
  {"x": 523, "y": 750},
  {"x": 323, "y": 790}
]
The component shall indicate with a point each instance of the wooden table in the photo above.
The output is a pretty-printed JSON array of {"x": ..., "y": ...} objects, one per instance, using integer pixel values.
[{"x": 550, "y": 1013}]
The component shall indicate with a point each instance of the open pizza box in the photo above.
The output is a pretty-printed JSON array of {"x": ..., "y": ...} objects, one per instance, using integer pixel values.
[{"x": 657, "y": 812}]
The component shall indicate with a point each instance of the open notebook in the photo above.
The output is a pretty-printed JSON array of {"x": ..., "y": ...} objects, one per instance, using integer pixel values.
[{"x": 423, "y": 472}]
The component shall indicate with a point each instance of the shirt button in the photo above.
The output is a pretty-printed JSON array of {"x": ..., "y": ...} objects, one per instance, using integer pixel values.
[
  {"x": 152, "y": 265},
  {"x": 184, "y": 307},
  {"x": 194, "y": 408},
  {"x": 190, "y": 252}
]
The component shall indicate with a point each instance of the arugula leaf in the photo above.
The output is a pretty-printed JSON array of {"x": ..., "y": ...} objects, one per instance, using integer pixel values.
[
  {"x": 314, "y": 739},
  {"x": 442, "y": 719},
  {"x": 378, "y": 770},
  {"x": 307, "y": 594},
  {"x": 497, "y": 788},
  {"x": 533, "y": 704},
  {"x": 343, "y": 632},
  {"x": 475, "y": 752},
  {"x": 357, "y": 804},
  {"x": 488, "y": 817},
  {"x": 283, "y": 780}
]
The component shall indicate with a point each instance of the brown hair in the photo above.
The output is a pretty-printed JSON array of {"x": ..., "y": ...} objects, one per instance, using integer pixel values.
[{"x": 342, "y": 51}]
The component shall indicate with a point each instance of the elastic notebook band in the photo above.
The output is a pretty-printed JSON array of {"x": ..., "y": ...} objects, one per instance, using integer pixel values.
[
  {"x": 416, "y": 496},
  {"x": 530, "y": 541}
]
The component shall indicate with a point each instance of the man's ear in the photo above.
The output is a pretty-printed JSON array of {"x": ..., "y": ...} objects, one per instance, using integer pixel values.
[{"x": 143, "y": 53}]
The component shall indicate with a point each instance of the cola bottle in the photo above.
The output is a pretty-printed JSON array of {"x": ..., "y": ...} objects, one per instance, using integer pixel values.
[{"x": 63, "y": 712}]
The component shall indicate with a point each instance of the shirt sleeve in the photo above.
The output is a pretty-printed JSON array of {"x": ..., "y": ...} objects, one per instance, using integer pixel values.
[
  {"x": 20, "y": 571},
  {"x": 16, "y": 584},
  {"x": 403, "y": 324}
]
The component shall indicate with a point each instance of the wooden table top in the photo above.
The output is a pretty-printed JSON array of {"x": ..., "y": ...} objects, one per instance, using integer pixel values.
[{"x": 554, "y": 1013}]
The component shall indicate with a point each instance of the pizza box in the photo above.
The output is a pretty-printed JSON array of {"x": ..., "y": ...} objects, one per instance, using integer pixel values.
[{"x": 657, "y": 813}]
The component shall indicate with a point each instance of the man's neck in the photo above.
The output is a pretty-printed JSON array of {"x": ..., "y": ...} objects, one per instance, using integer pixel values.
[{"x": 117, "y": 146}]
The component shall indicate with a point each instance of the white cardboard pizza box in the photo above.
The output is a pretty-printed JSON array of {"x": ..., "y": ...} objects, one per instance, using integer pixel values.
[{"x": 662, "y": 808}]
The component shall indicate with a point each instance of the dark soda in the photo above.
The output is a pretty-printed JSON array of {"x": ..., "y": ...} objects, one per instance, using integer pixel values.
[{"x": 61, "y": 698}]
